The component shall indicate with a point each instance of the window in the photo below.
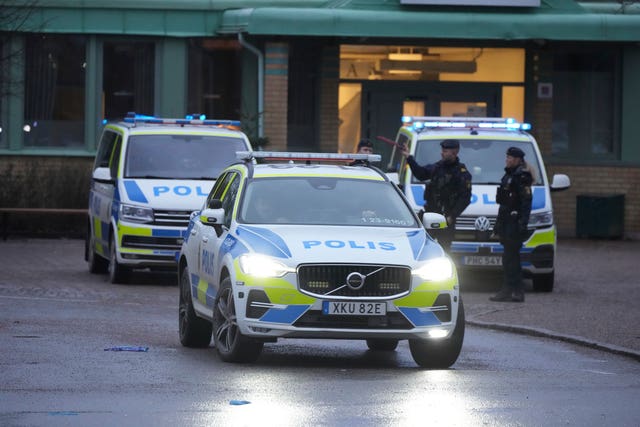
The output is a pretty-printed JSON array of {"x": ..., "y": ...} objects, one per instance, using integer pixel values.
[
  {"x": 214, "y": 83},
  {"x": 54, "y": 91},
  {"x": 128, "y": 78},
  {"x": 584, "y": 99}
]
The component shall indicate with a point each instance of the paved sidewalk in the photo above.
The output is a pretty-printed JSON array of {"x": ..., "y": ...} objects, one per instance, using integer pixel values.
[{"x": 595, "y": 301}]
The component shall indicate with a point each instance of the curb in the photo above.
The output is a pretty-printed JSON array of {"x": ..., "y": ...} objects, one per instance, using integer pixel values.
[{"x": 545, "y": 333}]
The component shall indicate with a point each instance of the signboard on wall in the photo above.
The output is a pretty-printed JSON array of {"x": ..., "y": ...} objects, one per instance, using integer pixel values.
[{"x": 506, "y": 3}]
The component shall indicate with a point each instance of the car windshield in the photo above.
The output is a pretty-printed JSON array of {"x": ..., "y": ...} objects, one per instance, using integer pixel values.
[
  {"x": 484, "y": 158},
  {"x": 180, "y": 156},
  {"x": 324, "y": 201}
]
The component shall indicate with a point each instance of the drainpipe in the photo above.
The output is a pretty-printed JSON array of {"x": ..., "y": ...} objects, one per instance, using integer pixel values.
[{"x": 260, "y": 56}]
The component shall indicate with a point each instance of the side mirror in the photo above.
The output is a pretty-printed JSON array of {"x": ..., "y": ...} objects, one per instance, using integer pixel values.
[
  {"x": 560, "y": 182},
  {"x": 434, "y": 221},
  {"x": 102, "y": 175},
  {"x": 213, "y": 217}
]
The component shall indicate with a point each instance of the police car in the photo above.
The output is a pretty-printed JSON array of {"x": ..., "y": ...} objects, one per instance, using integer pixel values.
[
  {"x": 483, "y": 144},
  {"x": 306, "y": 249},
  {"x": 149, "y": 175}
]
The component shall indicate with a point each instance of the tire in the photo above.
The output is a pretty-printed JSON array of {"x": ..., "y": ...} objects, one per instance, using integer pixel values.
[
  {"x": 97, "y": 264},
  {"x": 440, "y": 353},
  {"x": 231, "y": 345},
  {"x": 382, "y": 344},
  {"x": 117, "y": 272},
  {"x": 194, "y": 331},
  {"x": 543, "y": 282}
]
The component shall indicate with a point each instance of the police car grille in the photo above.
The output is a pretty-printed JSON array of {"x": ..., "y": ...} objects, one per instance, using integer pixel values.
[
  {"x": 171, "y": 218},
  {"x": 468, "y": 222},
  {"x": 149, "y": 242},
  {"x": 321, "y": 280}
]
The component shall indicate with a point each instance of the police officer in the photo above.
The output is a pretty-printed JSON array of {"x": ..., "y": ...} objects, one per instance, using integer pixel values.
[
  {"x": 449, "y": 190},
  {"x": 364, "y": 147},
  {"x": 514, "y": 198}
]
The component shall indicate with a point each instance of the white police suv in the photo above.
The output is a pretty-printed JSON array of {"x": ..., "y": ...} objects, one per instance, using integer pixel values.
[
  {"x": 483, "y": 145},
  {"x": 294, "y": 247},
  {"x": 149, "y": 175}
]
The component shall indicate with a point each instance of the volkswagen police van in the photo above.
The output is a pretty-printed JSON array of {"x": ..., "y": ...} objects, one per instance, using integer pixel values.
[
  {"x": 294, "y": 247},
  {"x": 149, "y": 175},
  {"x": 483, "y": 144}
]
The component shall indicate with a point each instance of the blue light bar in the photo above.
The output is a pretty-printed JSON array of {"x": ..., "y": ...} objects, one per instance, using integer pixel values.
[
  {"x": 139, "y": 118},
  {"x": 496, "y": 123}
]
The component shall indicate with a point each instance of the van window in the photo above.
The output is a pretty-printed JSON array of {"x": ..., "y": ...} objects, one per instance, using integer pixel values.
[
  {"x": 484, "y": 158},
  {"x": 180, "y": 156},
  {"x": 105, "y": 149}
]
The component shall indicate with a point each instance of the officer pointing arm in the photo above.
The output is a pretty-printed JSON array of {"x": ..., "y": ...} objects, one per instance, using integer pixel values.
[{"x": 449, "y": 189}]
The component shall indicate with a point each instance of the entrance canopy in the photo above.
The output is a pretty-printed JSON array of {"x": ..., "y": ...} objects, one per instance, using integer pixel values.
[{"x": 552, "y": 20}]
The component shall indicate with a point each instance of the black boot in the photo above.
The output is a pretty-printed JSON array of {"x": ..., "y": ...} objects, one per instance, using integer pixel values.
[
  {"x": 501, "y": 296},
  {"x": 518, "y": 296}
]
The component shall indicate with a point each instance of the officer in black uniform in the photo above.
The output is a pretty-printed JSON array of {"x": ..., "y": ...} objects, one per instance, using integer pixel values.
[
  {"x": 449, "y": 190},
  {"x": 514, "y": 198},
  {"x": 364, "y": 147}
]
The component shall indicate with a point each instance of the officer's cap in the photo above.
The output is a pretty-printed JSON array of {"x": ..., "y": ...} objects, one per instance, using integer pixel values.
[
  {"x": 515, "y": 152},
  {"x": 450, "y": 143},
  {"x": 364, "y": 143}
]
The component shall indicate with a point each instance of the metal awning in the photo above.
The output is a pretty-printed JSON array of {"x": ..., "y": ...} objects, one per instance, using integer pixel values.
[
  {"x": 450, "y": 24},
  {"x": 552, "y": 20}
]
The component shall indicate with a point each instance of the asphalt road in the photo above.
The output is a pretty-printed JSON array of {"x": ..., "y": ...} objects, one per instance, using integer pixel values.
[{"x": 56, "y": 320}]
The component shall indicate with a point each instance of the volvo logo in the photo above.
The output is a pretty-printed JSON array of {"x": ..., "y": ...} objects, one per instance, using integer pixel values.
[
  {"x": 355, "y": 281},
  {"x": 482, "y": 223}
]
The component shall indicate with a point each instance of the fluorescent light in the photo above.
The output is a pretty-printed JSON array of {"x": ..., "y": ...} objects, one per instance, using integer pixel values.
[
  {"x": 413, "y": 72},
  {"x": 405, "y": 56}
]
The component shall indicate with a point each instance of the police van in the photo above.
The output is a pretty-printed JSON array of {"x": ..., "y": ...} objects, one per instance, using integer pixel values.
[
  {"x": 149, "y": 175},
  {"x": 483, "y": 144}
]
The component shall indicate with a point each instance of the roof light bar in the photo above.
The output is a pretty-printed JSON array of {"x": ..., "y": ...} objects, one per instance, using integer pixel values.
[
  {"x": 316, "y": 157},
  {"x": 420, "y": 122},
  {"x": 140, "y": 118}
]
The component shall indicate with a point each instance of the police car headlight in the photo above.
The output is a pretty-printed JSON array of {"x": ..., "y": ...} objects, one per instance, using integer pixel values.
[
  {"x": 541, "y": 219},
  {"x": 262, "y": 266},
  {"x": 435, "y": 270},
  {"x": 136, "y": 213}
]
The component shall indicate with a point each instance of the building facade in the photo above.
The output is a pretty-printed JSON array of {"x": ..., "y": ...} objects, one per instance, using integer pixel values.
[{"x": 319, "y": 75}]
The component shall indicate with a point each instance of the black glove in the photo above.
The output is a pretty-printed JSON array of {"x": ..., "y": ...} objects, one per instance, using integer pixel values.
[{"x": 523, "y": 231}]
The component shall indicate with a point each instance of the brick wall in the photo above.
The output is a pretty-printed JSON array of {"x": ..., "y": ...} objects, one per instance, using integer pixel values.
[
  {"x": 597, "y": 180},
  {"x": 276, "y": 95}
]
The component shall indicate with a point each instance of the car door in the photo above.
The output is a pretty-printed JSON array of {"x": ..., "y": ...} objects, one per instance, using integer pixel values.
[
  {"x": 210, "y": 243},
  {"x": 102, "y": 190}
]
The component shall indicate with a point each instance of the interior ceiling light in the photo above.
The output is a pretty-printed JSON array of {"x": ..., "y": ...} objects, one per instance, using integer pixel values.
[{"x": 405, "y": 56}]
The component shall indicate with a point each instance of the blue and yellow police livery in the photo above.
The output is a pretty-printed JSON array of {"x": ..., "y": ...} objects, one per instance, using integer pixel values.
[
  {"x": 292, "y": 248},
  {"x": 483, "y": 144},
  {"x": 149, "y": 175}
]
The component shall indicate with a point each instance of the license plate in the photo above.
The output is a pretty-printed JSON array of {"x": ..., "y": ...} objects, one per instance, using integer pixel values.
[
  {"x": 482, "y": 260},
  {"x": 350, "y": 308}
]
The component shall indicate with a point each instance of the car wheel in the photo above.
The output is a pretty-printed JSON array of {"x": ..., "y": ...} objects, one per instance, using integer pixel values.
[
  {"x": 194, "y": 331},
  {"x": 117, "y": 272},
  {"x": 231, "y": 345},
  {"x": 543, "y": 282},
  {"x": 97, "y": 264},
  {"x": 382, "y": 344},
  {"x": 440, "y": 353}
]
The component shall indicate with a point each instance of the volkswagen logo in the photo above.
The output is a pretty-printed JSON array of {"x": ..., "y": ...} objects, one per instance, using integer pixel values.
[
  {"x": 482, "y": 223},
  {"x": 355, "y": 280}
]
